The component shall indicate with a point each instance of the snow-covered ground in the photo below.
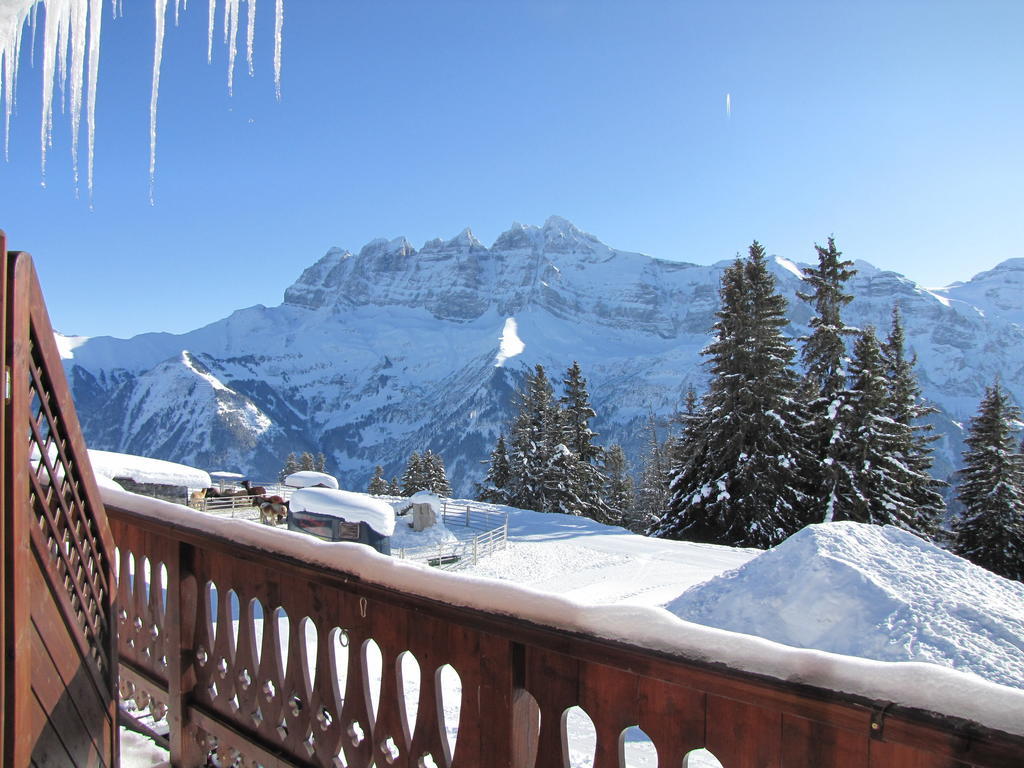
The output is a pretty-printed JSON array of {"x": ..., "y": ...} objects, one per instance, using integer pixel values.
[{"x": 865, "y": 582}]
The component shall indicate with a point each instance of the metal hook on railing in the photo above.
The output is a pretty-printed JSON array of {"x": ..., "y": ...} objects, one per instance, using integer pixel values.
[{"x": 362, "y": 607}]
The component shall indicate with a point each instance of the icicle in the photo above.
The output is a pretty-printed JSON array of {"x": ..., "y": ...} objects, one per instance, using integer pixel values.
[
  {"x": 95, "y": 22},
  {"x": 158, "y": 52},
  {"x": 250, "y": 32},
  {"x": 32, "y": 50},
  {"x": 63, "y": 45},
  {"x": 10, "y": 54},
  {"x": 278, "y": 26},
  {"x": 231, "y": 20},
  {"x": 209, "y": 33},
  {"x": 50, "y": 55},
  {"x": 177, "y": 10},
  {"x": 78, "y": 18}
]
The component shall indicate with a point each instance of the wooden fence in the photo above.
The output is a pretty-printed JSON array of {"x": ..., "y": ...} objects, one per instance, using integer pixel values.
[
  {"x": 59, "y": 654},
  {"x": 305, "y": 694}
]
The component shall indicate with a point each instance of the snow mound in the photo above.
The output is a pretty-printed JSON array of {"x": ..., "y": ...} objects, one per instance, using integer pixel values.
[
  {"x": 404, "y": 537},
  {"x": 870, "y": 591},
  {"x": 141, "y": 469},
  {"x": 349, "y": 506},
  {"x": 307, "y": 478}
]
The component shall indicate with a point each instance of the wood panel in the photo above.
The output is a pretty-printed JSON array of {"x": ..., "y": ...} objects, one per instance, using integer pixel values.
[{"x": 60, "y": 647}]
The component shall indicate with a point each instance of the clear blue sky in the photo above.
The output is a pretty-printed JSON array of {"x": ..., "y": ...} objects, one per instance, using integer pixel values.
[{"x": 897, "y": 126}]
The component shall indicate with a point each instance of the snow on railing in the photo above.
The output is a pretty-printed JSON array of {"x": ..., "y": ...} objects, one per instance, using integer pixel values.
[{"x": 360, "y": 641}]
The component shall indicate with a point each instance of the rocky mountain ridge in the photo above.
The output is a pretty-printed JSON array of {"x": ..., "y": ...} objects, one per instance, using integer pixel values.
[{"x": 392, "y": 349}]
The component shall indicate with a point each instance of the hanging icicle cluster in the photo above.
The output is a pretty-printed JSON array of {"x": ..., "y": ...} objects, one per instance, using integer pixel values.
[{"x": 71, "y": 43}]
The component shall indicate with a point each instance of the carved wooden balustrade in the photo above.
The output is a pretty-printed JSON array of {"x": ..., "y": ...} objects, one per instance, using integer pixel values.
[{"x": 304, "y": 695}]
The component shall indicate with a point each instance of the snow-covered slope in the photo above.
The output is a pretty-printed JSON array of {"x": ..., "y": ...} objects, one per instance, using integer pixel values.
[
  {"x": 379, "y": 353},
  {"x": 871, "y": 591}
]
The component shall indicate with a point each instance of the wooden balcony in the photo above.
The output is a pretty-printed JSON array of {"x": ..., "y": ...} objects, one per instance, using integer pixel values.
[{"x": 264, "y": 648}]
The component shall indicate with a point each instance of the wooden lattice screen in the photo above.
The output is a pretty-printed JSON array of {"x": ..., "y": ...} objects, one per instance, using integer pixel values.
[{"x": 59, "y": 665}]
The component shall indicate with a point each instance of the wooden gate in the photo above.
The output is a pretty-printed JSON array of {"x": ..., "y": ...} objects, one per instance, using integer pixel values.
[{"x": 57, "y": 590}]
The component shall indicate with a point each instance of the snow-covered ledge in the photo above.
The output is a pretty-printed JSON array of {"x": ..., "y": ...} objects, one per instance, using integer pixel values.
[{"x": 926, "y": 687}]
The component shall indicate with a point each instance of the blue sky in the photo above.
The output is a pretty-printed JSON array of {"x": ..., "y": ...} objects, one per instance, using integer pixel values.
[{"x": 895, "y": 126}]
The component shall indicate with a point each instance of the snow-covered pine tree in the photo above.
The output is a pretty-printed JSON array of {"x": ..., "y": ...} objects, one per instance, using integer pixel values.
[
  {"x": 307, "y": 463},
  {"x": 991, "y": 531},
  {"x": 320, "y": 463},
  {"x": 905, "y": 406},
  {"x": 378, "y": 485},
  {"x": 562, "y": 483},
  {"x": 435, "y": 478},
  {"x": 740, "y": 483},
  {"x": 651, "y": 494},
  {"x": 618, "y": 489},
  {"x": 825, "y": 359},
  {"x": 874, "y": 482},
  {"x": 291, "y": 465},
  {"x": 412, "y": 478},
  {"x": 577, "y": 436},
  {"x": 531, "y": 445},
  {"x": 394, "y": 487},
  {"x": 492, "y": 489}
]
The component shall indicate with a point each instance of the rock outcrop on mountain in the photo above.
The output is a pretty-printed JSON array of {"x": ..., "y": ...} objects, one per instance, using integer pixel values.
[{"x": 393, "y": 350}]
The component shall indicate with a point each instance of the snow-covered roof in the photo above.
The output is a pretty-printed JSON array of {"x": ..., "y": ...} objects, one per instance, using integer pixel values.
[
  {"x": 307, "y": 478},
  {"x": 145, "y": 470},
  {"x": 227, "y": 475},
  {"x": 349, "y": 506}
]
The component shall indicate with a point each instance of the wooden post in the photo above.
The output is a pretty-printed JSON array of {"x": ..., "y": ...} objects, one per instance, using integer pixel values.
[
  {"x": 182, "y": 595},
  {"x": 19, "y": 733}
]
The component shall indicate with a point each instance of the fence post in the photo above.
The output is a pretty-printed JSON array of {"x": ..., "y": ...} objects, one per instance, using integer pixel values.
[
  {"x": 474, "y": 550},
  {"x": 467, "y": 515},
  {"x": 182, "y": 594}
]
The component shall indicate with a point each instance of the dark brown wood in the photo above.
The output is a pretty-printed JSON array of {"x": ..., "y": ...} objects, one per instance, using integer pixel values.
[
  {"x": 17, "y": 555},
  {"x": 4, "y": 370},
  {"x": 60, "y": 647}
]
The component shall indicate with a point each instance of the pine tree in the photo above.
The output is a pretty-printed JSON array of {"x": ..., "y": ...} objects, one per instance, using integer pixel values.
[
  {"x": 825, "y": 359},
  {"x": 492, "y": 489},
  {"x": 874, "y": 482},
  {"x": 577, "y": 436},
  {"x": 394, "y": 487},
  {"x": 291, "y": 465},
  {"x": 320, "y": 463},
  {"x": 740, "y": 483},
  {"x": 532, "y": 447},
  {"x": 652, "y": 494},
  {"x": 412, "y": 478},
  {"x": 435, "y": 479},
  {"x": 378, "y": 485},
  {"x": 906, "y": 407},
  {"x": 618, "y": 489},
  {"x": 306, "y": 462},
  {"x": 991, "y": 531}
]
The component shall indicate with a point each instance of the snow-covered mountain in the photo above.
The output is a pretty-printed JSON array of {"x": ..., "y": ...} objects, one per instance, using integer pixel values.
[{"x": 376, "y": 354}]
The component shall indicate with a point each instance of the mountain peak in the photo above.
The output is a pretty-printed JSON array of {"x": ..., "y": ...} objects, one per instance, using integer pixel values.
[{"x": 465, "y": 239}]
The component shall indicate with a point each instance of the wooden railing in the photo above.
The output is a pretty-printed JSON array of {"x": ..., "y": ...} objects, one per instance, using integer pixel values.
[
  {"x": 257, "y": 690},
  {"x": 58, "y": 660}
]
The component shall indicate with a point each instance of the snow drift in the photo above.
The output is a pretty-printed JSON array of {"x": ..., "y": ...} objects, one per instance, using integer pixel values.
[{"x": 875, "y": 592}]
